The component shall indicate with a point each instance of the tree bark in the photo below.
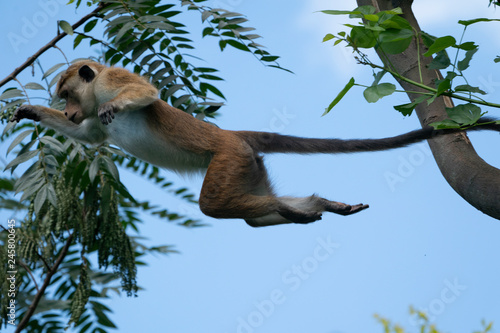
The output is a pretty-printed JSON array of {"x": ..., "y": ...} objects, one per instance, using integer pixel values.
[{"x": 468, "y": 174}]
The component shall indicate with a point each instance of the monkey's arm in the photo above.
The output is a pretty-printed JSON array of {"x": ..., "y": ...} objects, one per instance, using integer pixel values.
[
  {"x": 56, "y": 120},
  {"x": 130, "y": 93}
]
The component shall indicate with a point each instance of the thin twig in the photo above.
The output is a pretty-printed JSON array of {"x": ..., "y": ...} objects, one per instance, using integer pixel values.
[
  {"x": 50, "y": 44},
  {"x": 45, "y": 263},
  {"x": 46, "y": 282}
]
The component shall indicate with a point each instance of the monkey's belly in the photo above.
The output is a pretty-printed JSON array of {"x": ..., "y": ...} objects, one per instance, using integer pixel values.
[{"x": 145, "y": 146}]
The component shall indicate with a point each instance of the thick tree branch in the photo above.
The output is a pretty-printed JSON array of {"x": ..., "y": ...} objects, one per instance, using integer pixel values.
[
  {"x": 50, "y": 44},
  {"x": 467, "y": 173},
  {"x": 46, "y": 283}
]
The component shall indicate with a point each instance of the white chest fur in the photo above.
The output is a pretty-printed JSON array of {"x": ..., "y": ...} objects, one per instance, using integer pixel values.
[{"x": 130, "y": 131}]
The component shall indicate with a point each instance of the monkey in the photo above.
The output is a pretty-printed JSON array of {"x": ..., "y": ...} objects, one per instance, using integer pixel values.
[{"x": 113, "y": 105}]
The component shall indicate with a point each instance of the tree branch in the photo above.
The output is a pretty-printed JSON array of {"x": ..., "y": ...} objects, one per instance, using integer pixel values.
[
  {"x": 50, "y": 44},
  {"x": 46, "y": 283},
  {"x": 468, "y": 174}
]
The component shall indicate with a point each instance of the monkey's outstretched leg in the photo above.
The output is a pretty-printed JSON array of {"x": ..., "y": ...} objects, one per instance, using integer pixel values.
[{"x": 236, "y": 186}]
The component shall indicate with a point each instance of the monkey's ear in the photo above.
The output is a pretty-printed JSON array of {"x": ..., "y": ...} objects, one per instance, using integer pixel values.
[{"x": 86, "y": 73}]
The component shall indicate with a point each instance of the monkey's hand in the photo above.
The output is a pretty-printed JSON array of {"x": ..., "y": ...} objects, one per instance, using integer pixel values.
[
  {"x": 26, "y": 112},
  {"x": 106, "y": 113}
]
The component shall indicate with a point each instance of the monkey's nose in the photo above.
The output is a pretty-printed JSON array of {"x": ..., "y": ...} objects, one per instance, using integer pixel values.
[{"x": 72, "y": 117}]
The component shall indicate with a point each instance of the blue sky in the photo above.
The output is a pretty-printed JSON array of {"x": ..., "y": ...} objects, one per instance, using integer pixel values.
[{"x": 418, "y": 244}]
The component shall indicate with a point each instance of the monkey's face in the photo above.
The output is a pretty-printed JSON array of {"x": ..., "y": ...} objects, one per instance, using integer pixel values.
[{"x": 76, "y": 86}]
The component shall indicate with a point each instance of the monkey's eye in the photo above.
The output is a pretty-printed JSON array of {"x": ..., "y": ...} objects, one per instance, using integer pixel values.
[{"x": 64, "y": 94}]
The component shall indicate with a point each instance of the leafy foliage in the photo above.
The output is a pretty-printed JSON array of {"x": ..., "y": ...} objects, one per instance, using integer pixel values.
[
  {"x": 77, "y": 213},
  {"x": 389, "y": 33},
  {"x": 421, "y": 320}
]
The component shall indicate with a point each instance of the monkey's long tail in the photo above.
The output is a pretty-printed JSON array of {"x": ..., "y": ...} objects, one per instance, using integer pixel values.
[{"x": 276, "y": 143}]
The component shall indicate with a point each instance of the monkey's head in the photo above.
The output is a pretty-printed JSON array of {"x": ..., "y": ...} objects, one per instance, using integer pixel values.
[{"x": 76, "y": 86}]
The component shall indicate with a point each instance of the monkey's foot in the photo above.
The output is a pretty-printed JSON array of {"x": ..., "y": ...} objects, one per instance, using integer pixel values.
[
  {"x": 344, "y": 209},
  {"x": 25, "y": 112}
]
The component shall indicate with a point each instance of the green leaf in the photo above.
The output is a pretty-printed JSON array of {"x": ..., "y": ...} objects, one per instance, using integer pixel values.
[
  {"x": 465, "y": 114},
  {"x": 34, "y": 86},
  {"x": 11, "y": 93},
  {"x": 371, "y": 17},
  {"x": 94, "y": 168},
  {"x": 269, "y": 58},
  {"x": 21, "y": 158},
  {"x": 440, "y": 44},
  {"x": 18, "y": 140},
  {"x": 374, "y": 93},
  {"x": 471, "y": 89},
  {"x": 361, "y": 11},
  {"x": 111, "y": 168},
  {"x": 127, "y": 28},
  {"x": 447, "y": 123},
  {"x": 152, "y": 18},
  {"x": 328, "y": 37},
  {"x": 52, "y": 70},
  {"x": 395, "y": 41},
  {"x": 30, "y": 178},
  {"x": 427, "y": 39},
  {"x": 469, "y": 22},
  {"x": 205, "y": 70},
  {"x": 497, "y": 59},
  {"x": 378, "y": 76},
  {"x": 339, "y": 12},
  {"x": 172, "y": 89},
  {"x": 443, "y": 86},
  {"x": 467, "y": 46},
  {"x": 341, "y": 94},
  {"x": 222, "y": 44},
  {"x": 207, "y": 31},
  {"x": 440, "y": 61},
  {"x": 407, "y": 109},
  {"x": 464, "y": 64},
  {"x": 389, "y": 21},
  {"x": 238, "y": 45},
  {"x": 363, "y": 38},
  {"x": 210, "y": 77},
  {"x": 40, "y": 198},
  {"x": 451, "y": 75},
  {"x": 51, "y": 194},
  {"x": 205, "y": 86},
  {"x": 395, "y": 11},
  {"x": 29, "y": 191},
  {"x": 205, "y": 14},
  {"x": 66, "y": 27},
  {"x": 89, "y": 26},
  {"x": 78, "y": 39},
  {"x": 53, "y": 142}
]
